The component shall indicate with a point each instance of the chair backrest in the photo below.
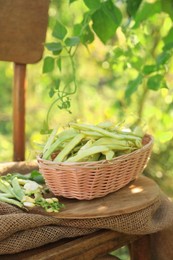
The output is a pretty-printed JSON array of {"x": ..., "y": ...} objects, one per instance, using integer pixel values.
[{"x": 23, "y": 26}]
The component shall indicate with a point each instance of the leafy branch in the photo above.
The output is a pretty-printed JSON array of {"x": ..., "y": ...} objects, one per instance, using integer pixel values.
[{"x": 100, "y": 14}]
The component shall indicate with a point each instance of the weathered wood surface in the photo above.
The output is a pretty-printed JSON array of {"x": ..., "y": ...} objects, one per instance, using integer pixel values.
[
  {"x": 23, "y": 26},
  {"x": 20, "y": 167},
  {"x": 137, "y": 195},
  {"x": 140, "y": 249},
  {"x": 83, "y": 248}
]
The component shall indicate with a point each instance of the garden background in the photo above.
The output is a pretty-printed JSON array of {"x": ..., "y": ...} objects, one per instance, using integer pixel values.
[{"x": 103, "y": 60}]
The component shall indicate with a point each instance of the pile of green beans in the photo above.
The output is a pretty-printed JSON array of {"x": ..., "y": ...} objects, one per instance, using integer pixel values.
[
  {"x": 86, "y": 142},
  {"x": 24, "y": 193}
]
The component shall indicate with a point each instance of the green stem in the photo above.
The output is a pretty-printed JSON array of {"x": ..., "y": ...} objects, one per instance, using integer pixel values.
[
  {"x": 142, "y": 104},
  {"x": 50, "y": 108},
  {"x": 65, "y": 94},
  {"x": 73, "y": 68}
]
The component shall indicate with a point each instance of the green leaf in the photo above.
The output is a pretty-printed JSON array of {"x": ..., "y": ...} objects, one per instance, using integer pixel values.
[
  {"x": 37, "y": 176},
  {"x": 167, "y": 7},
  {"x": 169, "y": 37},
  {"x": 148, "y": 69},
  {"x": 59, "y": 31},
  {"x": 133, "y": 86},
  {"x": 92, "y": 4},
  {"x": 118, "y": 52},
  {"x": 163, "y": 58},
  {"x": 59, "y": 64},
  {"x": 136, "y": 62},
  {"x": 168, "y": 46},
  {"x": 83, "y": 30},
  {"x": 106, "y": 20},
  {"x": 77, "y": 29},
  {"x": 156, "y": 82},
  {"x": 71, "y": 1},
  {"x": 147, "y": 10},
  {"x": 103, "y": 26},
  {"x": 112, "y": 11},
  {"x": 54, "y": 46},
  {"x": 72, "y": 41},
  {"x": 56, "y": 53},
  {"x": 133, "y": 6},
  {"x": 87, "y": 36},
  {"x": 57, "y": 84},
  {"x": 51, "y": 92},
  {"x": 48, "y": 64},
  {"x": 168, "y": 40}
]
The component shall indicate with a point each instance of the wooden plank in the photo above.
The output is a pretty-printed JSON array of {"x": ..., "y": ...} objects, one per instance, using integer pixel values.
[
  {"x": 137, "y": 195},
  {"x": 19, "y": 112},
  {"x": 23, "y": 26},
  {"x": 140, "y": 249},
  {"x": 21, "y": 167},
  {"x": 29, "y": 254},
  {"x": 85, "y": 247}
]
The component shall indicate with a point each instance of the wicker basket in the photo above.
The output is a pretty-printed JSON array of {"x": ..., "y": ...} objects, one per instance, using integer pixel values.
[{"x": 89, "y": 180}]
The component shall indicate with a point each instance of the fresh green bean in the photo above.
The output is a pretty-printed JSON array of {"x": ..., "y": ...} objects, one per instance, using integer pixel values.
[
  {"x": 109, "y": 155},
  {"x": 91, "y": 134},
  {"x": 93, "y": 157},
  {"x": 106, "y": 125},
  {"x": 62, "y": 137},
  {"x": 104, "y": 132},
  {"x": 110, "y": 140},
  {"x": 90, "y": 142},
  {"x": 68, "y": 148},
  {"x": 6, "y": 187},
  {"x": 88, "y": 152},
  {"x": 50, "y": 139},
  {"x": 86, "y": 145},
  {"x": 19, "y": 193},
  {"x": 11, "y": 201},
  {"x": 114, "y": 144}
]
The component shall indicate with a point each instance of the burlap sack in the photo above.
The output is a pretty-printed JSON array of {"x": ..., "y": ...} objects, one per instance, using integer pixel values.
[{"x": 20, "y": 231}]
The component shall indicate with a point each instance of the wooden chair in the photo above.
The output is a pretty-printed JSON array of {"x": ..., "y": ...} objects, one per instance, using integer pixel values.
[{"x": 23, "y": 26}]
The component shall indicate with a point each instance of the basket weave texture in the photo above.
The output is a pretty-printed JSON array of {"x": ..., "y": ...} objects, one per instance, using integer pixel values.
[{"x": 89, "y": 180}]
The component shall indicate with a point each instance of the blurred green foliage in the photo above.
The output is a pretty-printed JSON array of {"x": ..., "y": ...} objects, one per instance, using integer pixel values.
[
  {"x": 103, "y": 60},
  {"x": 122, "y": 253}
]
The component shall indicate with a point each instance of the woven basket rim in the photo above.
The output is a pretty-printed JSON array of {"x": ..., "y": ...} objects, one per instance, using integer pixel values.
[{"x": 118, "y": 158}]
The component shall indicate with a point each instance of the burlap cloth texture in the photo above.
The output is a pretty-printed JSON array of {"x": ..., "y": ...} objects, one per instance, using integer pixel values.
[{"x": 20, "y": 231}]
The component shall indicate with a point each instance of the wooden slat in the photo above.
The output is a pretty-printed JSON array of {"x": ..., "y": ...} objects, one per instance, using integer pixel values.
[
  {"x": 84, "y": 248},
  {"x": 140, "y": 249},
  {"x": 19, "y": 112}
]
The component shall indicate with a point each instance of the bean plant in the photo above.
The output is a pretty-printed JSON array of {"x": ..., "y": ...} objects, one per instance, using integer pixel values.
[{"x": 118, "y": 25}]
